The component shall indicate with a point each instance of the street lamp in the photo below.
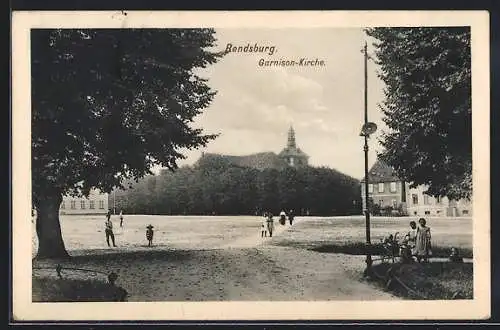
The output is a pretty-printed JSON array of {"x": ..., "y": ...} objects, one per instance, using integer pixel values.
[{"x": 367, "y": 129}]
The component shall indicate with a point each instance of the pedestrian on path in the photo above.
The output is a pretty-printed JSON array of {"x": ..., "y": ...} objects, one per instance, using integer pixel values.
[
  {"x": 149, "y": 234},
  {"x": 423, "y": 241},
  {"x": 290, "y": 217},
  {"x": 282, "y": 217},
  {"x": 270, "y": 224},
  {"x": 121, "y": 218},
  {"x": 109, "y": 229},
  {"x": 263, "y": 230}
]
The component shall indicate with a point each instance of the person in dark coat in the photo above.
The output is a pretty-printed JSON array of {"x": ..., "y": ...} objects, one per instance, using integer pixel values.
[
  {"x": 121, "y": 218},
  {"x": 290, "y": 217}
]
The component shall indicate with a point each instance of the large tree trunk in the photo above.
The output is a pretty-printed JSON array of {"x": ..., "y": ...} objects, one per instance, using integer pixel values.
[{"x": 48, "y": 228}]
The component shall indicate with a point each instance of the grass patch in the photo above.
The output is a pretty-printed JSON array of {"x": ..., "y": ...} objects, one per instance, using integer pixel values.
[
  {"x": 433, "y": 281},
  {"x": 378, "y": 249},
  {"x": 73, "y": 290}
]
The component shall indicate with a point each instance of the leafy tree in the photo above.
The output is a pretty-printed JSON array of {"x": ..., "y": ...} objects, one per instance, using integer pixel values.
[
  {"x": 108, "y": 104},
  {"x": 427, "y": 107},
  {"x": 210, "y": 188},
  {"x": 289, "y": 187}
]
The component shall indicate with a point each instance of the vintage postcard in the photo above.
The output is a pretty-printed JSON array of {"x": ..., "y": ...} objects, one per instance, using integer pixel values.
[{"x": 292, "y": 165}]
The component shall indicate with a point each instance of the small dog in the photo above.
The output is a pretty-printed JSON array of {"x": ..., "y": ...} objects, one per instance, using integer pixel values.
[{"x": 149, "y": 235}]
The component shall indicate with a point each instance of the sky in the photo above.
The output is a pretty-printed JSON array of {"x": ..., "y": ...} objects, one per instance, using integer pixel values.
[{"x": 255, "y": 105}]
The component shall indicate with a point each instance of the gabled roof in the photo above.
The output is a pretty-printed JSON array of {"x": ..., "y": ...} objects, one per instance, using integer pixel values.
[{"x": 381, "y": 172}]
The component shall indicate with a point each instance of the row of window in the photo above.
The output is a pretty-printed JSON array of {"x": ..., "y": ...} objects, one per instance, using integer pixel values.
[
  {"x": 414, "y": 199},
  {"x": 438, "y": 212},
  {"x": 394, "y": 203},
  {"x": 83, "y": 205},
  {"x": 393, "y": 188},
  {"x": 381, "y": 187}
]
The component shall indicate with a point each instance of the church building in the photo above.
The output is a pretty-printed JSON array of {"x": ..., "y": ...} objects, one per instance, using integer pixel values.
[{"x": 291, "y": 154}]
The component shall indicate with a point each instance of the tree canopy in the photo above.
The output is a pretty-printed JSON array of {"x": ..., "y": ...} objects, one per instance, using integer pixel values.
[
  {"x": 427, "y": 106},
  {"x": 108, "y": 104},
  {"x": 214, "y": 186}
]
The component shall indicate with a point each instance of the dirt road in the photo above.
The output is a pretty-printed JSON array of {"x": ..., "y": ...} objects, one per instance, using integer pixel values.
[{"x": 248, "y": 269}]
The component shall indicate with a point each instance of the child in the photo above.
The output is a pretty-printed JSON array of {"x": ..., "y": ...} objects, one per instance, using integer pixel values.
[
  {"x": 290, "y": 217},
  {"x": 149, "y": 235},
  {"x": 423, "y": 241},
  {"x": 121, "y": 218},
  {"x": 411, "y": 237},
  {"x": 270, "y": 224},
  {"x": 263, "y": 230}
]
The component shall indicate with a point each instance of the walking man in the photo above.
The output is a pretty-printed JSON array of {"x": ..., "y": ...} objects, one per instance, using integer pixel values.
[
  {"x": 290, "y": 217},
  {"x": 109, "y": 229}
]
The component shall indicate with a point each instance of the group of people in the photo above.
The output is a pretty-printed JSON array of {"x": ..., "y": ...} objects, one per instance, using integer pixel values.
[
  {"x": 109, "y": 230},
  {"x": 417, "y": 242},
  {"x": 268, "y": 222}
]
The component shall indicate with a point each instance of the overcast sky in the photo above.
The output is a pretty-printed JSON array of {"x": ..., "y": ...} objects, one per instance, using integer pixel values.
[{"x": 255, "y": 105}]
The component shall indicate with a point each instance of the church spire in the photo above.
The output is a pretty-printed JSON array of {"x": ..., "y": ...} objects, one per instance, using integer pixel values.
[{"x": 291, "y": 138}]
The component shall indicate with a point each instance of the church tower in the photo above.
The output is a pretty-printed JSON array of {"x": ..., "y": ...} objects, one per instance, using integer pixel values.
[
  {"x": 291, "y": 138},
  {"x": 292, "y": 155}
]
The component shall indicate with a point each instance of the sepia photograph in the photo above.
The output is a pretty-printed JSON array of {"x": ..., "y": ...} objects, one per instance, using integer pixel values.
[{"x": 319, "y": 165}]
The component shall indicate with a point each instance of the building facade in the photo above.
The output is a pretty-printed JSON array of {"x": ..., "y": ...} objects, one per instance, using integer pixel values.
[
  {"x": 385, "y": 189},
  {"x": 420, "y": 204},
  {"x": 96, "y": 203},
  {"x": 291, "y": 154}
]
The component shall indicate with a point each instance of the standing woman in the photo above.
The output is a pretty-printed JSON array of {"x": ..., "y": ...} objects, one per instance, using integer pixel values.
[
  {"x": 423, "y": 241},
  {"x": 270, "y": 224},
  {"x": 282, "y": 217}
]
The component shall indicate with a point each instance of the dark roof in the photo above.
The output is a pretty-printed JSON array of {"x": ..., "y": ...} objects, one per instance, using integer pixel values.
[
  {"x": 259, "y": 161},
  {"x": 381, "y": 172}
]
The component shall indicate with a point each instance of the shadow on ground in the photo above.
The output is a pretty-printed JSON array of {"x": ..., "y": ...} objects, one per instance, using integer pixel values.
[
  {"x": 74, "y": 290},
  {"x": 428, "y": 281}
]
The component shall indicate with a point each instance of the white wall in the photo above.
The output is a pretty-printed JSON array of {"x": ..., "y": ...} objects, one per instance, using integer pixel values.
[{"x": 96, "y": 203}]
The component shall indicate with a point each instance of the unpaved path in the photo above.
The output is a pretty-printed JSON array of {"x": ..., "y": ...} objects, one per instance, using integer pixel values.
[{"x": 250, "y": 268}]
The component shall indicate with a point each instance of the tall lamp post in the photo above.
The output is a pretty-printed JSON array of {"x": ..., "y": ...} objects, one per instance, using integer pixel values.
[{"x": 367, "y": 129}]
